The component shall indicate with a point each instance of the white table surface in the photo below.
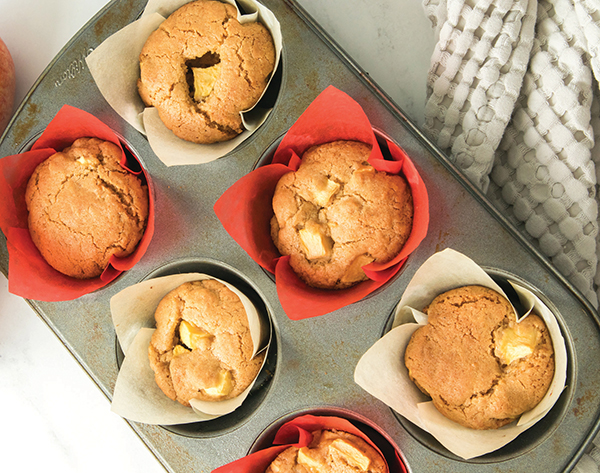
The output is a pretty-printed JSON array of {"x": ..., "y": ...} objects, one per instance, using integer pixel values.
[{"x": 54, "y": 418}]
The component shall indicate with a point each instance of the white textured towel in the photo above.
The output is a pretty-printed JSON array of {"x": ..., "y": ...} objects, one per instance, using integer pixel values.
[{"x": 513, "y": 101}]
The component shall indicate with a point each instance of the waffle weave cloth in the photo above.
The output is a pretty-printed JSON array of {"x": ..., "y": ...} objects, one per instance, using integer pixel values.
[{"x": 512, "y": 99}]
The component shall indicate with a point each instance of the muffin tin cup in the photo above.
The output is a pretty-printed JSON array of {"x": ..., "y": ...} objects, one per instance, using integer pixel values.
[
  {"x": 383, "y": 141},
  {"x": 536, "y": 431},
  {"x": 321, "y": 417},
  {"x": 245, "y": 208},
  {"x": 31, "y": 276},
  {"x": 184, "y": 270},
  {"x": 114, "y": 65}
]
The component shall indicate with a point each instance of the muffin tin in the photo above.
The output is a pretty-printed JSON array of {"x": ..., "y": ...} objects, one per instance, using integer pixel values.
[{"x": 312, "y": 364}]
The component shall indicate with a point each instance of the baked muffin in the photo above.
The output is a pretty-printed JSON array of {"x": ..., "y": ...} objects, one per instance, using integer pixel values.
[
  {"x": 201, "y": 67},
  {"x": 331, "y": 451},
  {"x": 202, "y": 347},
  {"x": 480, "y": 367},
  {"x": 84, "y": 208},
  {"x": 336, "y": 213}
]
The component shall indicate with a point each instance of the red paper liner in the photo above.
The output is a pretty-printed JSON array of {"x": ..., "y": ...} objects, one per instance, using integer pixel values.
[
  {"x": 29, "y": 275},
  {"x": 245, "y": 209},
  {"x": 298, "y": 433}
]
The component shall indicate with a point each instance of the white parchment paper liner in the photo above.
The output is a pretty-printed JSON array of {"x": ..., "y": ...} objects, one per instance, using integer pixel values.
[
  {"x": 115, "y": 67},
  {"x": 382, "y": 373},
  {"x": 137, "y": 397}
]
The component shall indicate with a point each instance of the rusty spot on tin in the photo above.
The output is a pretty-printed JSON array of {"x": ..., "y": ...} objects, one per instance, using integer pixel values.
[
  {"x": 311, "y": 80},
  {"x": 97, "y": 333},
  {"x": 442, "y": 240},
  {"x": 582, "y": 403},
  {"x": 23, "y": 127},
  {"x": 105, "y": 23}
]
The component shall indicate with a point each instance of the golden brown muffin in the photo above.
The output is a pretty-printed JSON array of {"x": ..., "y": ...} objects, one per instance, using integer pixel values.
[
  {"x": 202, "y": 347},
  {"x": 201, "y": 67},
  {"x": 481, "y": 368},
  {"x": 331, "y": 451},
  {"x": 336, "y": 213},
  {"x": 84, "y": 207}
]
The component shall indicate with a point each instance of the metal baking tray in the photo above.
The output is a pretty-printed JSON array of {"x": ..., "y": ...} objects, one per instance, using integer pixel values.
[{"x": 313, "y": 360}]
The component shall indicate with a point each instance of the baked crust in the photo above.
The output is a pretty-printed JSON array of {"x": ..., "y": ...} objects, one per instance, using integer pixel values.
[
  {"x": 227, "y": 347},
  {"x": 321, "y": 457},
  {"x": 198, "y": 35},
  {"x": 480, "y": 367},
  {"x": 84, "y": 208},
  {"x": 353, "y": 214}
]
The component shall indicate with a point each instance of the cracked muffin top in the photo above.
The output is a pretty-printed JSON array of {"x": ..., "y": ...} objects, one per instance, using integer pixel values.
[
  {"x": 480, "y": 367},
  {"x": 202, "y": 67},
  {"x": 202, "y": 347},
  {"x": 84, "y": 207},
  {"x": 330, "y": 451},
  {"x": 336, "y": 213}
]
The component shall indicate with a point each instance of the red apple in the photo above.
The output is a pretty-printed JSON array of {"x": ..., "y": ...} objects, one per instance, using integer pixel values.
[{"x": 7, "y": 86}]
